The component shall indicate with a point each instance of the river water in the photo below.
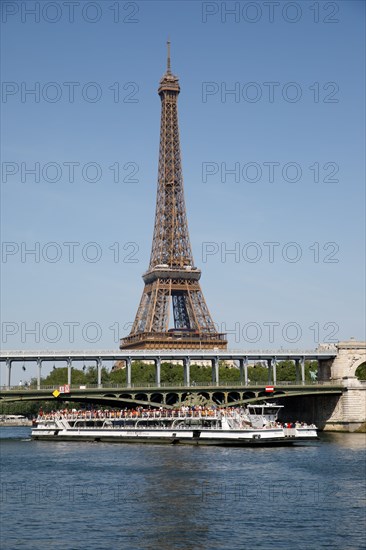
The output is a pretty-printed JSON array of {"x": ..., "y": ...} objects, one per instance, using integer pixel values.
[{"x": 99, "y": 496}]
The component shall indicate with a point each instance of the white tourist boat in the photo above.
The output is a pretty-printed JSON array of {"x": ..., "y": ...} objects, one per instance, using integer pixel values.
[{"x": 254, "y": 425}]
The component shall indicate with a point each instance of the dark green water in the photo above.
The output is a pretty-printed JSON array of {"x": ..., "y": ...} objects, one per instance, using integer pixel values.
[{"x": 105, "y": 496}]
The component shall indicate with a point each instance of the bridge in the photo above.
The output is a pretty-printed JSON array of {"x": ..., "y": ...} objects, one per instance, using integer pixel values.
[
  {"x": 118, "y": 395},
  {"x": 337, "y": 400},
  {"x": 185, "y": 357}
]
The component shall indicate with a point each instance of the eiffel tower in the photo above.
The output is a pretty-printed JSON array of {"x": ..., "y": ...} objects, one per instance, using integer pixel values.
[{"x": 172, "y": 292}]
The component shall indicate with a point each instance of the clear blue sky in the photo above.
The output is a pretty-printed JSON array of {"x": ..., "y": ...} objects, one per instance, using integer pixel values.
[{"x": 324, "y": 130}]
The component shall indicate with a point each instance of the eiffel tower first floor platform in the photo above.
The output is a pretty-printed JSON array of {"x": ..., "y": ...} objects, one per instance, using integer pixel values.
[{"x": 175, "y": 339}]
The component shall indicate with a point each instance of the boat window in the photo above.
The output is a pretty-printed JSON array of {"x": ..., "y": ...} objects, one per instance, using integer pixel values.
[{"x": 119, "y": 423}]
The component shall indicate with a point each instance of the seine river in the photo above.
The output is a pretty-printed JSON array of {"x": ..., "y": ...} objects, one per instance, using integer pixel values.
[{"x": 109, "y": 496}]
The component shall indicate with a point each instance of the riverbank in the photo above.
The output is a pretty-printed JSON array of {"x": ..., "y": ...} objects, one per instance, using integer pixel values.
[
  {"x": 13, "y": 421},
  {"x": 361, "y": 429}
]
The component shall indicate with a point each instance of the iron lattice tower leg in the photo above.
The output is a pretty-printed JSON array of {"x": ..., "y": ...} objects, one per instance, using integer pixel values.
[{"x": 172, "y": 281}]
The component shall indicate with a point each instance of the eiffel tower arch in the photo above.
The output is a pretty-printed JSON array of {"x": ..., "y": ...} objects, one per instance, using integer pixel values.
[{"x": 172, "y": 295}]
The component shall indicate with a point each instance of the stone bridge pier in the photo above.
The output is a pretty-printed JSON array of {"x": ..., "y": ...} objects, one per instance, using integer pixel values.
[{"x": 349, "y": 412}]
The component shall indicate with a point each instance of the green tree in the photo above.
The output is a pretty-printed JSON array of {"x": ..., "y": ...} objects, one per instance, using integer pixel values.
[{"x": 361, "y": 371}]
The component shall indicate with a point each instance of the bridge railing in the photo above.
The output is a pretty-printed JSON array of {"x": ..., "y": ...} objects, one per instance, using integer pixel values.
[
  {"x": 116, "y": 355},
  {"x": 169, "y": 385}
]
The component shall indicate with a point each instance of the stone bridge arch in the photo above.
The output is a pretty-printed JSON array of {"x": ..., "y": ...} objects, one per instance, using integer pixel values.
[{"x": 351, "y": 354}]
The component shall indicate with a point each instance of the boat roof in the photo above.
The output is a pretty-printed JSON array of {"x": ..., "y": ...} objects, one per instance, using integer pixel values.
[{"x": 269, "y": 405}]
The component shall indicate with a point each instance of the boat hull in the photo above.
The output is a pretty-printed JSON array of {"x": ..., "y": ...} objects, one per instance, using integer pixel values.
[{"x": 173, "y": 437}]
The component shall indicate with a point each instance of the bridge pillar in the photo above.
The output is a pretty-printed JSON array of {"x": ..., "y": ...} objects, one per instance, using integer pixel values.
[
  {"x": 302, "y": 363},
  {"x": 243, "y": 368},
  {"x": 297, "y": 371},
  {"x": 324, "y": 369},
  {"x": 246, "y": 380},
  {"x": 69, "y": 367},
  {"x": 215, "y": 370},
  {"x": 157, "y": 362},
  {"x": 99, "y": 372},
  {"x": 8, "y": 364},
  {"x": 274, "y": 370},
  {"x": 269, "y": 364},
  {"x": 39, "y": 365},
  {"x": 128, "y": 371},
  {"x": 187, "y": 371}
]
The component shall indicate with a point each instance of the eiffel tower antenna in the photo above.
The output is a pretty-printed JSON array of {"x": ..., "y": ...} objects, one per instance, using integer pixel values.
[
  {"x": 168, "y": 69},
  {"x": 172, "y": 280}
]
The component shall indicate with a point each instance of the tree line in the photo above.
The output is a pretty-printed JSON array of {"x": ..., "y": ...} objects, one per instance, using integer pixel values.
[{"x": 143, "y": 373}]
